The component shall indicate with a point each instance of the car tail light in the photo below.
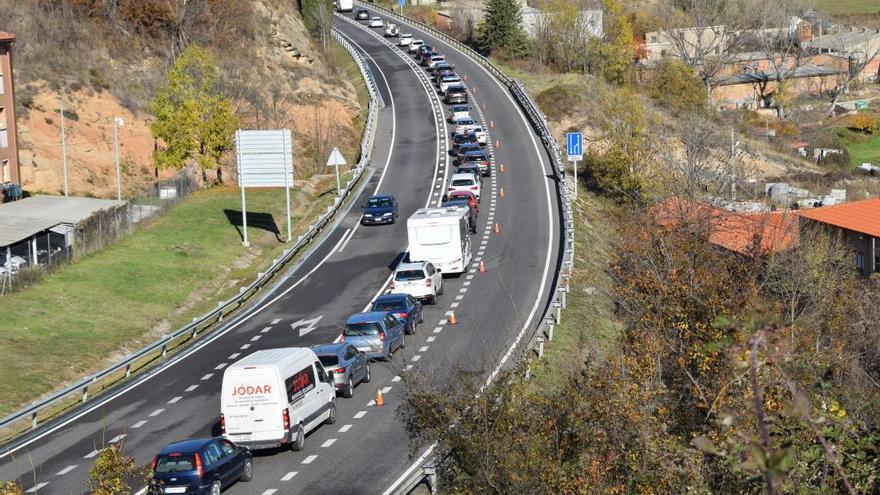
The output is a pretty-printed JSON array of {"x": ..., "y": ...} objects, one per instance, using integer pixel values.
[
  {"x": 199, "y": 468},
  {"x": 450, "y": 188},
  {"x": 153, "y": 464},
  {"x": 400, "y": 315},
  {"x": 222, "y": 425},
  {"x": 427, "y": 282},
  {"x": 381, "y": 336},
  {"x": 285, "y": 417},
  {"x": 474, "y": 188}
]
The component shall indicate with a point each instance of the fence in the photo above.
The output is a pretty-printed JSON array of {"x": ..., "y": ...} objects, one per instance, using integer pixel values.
[
  {"x": 155, "y": 354},
  {"x": 533, "y": 344}
]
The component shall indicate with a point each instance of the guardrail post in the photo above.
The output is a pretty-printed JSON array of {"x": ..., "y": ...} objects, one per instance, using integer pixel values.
[
  {"x": 551, "y": 323},
  {"x": 85, "y": 394},
  {"x": 220, "y": 313},
  {"x": 558, "y": 306},
  {"x": 165, "y": 347},
  {"x": 128, "y": 370},
  {"x": 540, "y": 347},
  {"x": 562, "y": 291},
  {"x": 34, "y": 420}
]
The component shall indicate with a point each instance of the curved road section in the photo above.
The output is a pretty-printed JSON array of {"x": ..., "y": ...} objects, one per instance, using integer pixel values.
[{"x": 367, "y": 450}]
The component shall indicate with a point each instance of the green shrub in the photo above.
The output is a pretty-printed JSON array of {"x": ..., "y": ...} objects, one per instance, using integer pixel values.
[
  {"x": 676, "y": 86},
  {"x": 559, "y": 101}
]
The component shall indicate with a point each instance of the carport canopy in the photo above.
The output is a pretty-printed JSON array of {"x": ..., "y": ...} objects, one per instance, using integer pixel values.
[{"x": 23, "y": 219}]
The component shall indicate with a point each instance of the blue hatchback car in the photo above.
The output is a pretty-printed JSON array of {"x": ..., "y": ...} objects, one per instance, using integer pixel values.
[
  {"x": 376, "y": 333},
  {"x": 404, "y": 306},
  {"x": 201, "y": 466},
  {"x": 379, "y": 210}
]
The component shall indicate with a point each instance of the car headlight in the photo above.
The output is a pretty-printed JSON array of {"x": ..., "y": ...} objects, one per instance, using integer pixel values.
[
  {"x": 368, "y": 215},
  {"x": 386, "y": 214}
]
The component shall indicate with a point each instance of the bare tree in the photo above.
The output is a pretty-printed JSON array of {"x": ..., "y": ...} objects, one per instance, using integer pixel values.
[
  {"x": 706, "y": 35},
  {"x": 860, "y": 49}
]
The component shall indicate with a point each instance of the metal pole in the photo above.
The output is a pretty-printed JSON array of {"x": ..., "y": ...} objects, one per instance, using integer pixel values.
[
  {"x": 574, "y": 164},
  {"x": 244, "y": 218},
  {"x": 116, "y": 146},
  {"x": 338, "y": 188},
  {"x": 63, "y": 145},
  {"x": 287, "y": 146}
]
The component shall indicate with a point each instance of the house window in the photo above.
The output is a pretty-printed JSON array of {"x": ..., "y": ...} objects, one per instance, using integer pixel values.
[
  {"x": 860, "y": 261},
  {"x": 2, "y": 84},
  {"x": 4, "y": 138},
  {"x": 653, "y": 39},
  {"x": 7, "y": 174}
]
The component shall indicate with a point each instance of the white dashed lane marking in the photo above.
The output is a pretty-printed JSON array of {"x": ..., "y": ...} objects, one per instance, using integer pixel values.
[
  {"x": 91, "y": 454},
  {"x": 328, "y": 443},
  {"x": 234, "y": 356},
  {"x": 220, "y": 366},
  {"x": 244, "y": 347},
  {"x": 255, "y": 338},
  {"x": 407, "y": 367},
  {"x": 453, "y": 305},
  {"x": 344, "y": 428},
  {"x": 360, "y": 414},
  {"x": 309, "y": 459},
  {"x": 139, "y": 424},
  {"x": 395, "y": 379},
  {"x": 37, "y": 487},
  {"x": 386, "y": 390},
  {"x": 66, "y": 470},
  {"x": 117, "y": 438},
  {"x": 265, "y": 329},
  {"x": 157, "y": 412},
  {"x": 438, "y": 329},
  {"x": 424, "y": 348},
  {"x": 289, "y": 476},
  {"x": 191, "y": 388},
  {"x": 466, "y": 283},
  {"x": 459, "y": 298},
  {"x": 416, "y": 358},
  {"x": 207, "y": 377},
  {"x": 429, "y": 339},
  {"x": 469, "y": 277},
  {"x": 270, "y": 491},
  {"x": 275, "y": 321},
  {"x": 174, "y": 400}
]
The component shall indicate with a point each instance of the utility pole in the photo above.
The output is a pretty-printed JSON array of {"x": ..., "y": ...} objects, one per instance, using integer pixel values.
[
  {"x": 63, "y": 144},
  {"x": 117, "y": 123}
]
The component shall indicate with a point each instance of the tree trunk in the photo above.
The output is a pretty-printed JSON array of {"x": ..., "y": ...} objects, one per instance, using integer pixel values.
[{"x": 219, "y": 174}]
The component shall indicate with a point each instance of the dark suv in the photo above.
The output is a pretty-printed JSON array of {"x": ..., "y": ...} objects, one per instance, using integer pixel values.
[
  {"x": 202, "y": 466},
  {"x": 460, "y": 139},
  {"x": 455, "y": 94}
]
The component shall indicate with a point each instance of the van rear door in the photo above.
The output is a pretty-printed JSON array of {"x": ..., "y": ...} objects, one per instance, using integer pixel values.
[{"x": 252, "y": 404}]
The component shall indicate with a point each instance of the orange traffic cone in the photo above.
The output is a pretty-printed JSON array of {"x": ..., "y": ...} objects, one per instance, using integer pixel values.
[
  {"x": 380, "y": 401},
  {"x": 501, "y": 193},
  {"x": 452, "y": 320},
  {"x": 482, "y": 268},
  {"x": 497, "y": 228},
  {"x": 501, "y": 168}
]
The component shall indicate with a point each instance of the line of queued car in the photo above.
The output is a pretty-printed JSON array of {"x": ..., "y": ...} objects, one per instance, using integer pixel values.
[{"x": 209, "y": 465}]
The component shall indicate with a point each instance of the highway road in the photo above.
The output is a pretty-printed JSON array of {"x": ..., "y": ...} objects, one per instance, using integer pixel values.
[{"x": 367, "y": 450}]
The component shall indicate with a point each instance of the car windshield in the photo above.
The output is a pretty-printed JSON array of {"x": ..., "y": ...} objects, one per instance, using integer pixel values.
[
  {"x": 463, "y": 182},
  {"x": 361, "y": 329},
  {"x": 329, "y": 360},
  {"x": 389, "y": 305},
  {"x": 456, "y": 202},
  {"x": 404, "y": 275},
  {"x": 175, "y": 463},
  {"x": 380, "y": 203}
]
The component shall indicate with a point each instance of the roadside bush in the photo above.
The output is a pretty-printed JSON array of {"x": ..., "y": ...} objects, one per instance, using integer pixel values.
[
  {"x": 676, "y": 86},
  {"x": 10, "y": 488},
  {"x": 862, "y": 122},
  {"x": 559, "y": 101}
]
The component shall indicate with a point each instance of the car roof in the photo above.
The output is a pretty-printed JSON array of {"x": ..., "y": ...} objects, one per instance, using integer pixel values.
[
  {"x": 474, "y": 153},
  {"x": 462, "y": 176},
  {"x": 413, "y": 265},
  {"x": 190, "y": 446},
  {"x": 368, "y": 317},
  {"x": 390, "y": 297},
  {"x": 325, "y": 349},
  {"x": 380, "y": 196},
  {"x": 451, "y": 76}
]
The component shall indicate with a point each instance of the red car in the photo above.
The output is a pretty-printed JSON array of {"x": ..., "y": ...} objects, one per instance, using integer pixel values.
[{"x": 464, "y": 198}]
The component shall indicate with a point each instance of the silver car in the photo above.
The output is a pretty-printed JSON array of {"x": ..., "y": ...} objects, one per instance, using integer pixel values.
[{"x": 346, "y": 365}]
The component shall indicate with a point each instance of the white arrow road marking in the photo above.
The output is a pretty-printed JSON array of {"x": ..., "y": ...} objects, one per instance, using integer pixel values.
[{"x": 307, "y": 325}]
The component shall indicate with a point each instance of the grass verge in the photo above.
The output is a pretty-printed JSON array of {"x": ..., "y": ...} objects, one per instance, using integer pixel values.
[
  {"x": 848, "y": 7},
  {"x": 588, "y": 324},
  {"x": 87, "y": 314}
]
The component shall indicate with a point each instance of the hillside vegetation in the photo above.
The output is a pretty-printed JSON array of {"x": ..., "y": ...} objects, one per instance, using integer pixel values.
[{"x": 107, "y": 58}]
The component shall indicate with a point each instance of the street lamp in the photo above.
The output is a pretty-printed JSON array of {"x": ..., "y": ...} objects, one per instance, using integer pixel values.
[{"x": 117, "y": 123}]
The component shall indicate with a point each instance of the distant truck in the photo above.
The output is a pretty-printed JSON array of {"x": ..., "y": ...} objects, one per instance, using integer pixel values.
[
  {"x": 440, "y": 236},
  {"x": 344, "y": 5}
]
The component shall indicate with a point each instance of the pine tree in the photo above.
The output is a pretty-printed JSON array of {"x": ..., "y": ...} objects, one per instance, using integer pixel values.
[{"x": 501, "y": 32}]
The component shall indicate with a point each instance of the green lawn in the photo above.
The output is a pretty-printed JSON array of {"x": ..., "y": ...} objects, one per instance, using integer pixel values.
[
  {"x": 588, "y": 324},
  {"x": 863, "y": 149},
  {"x": 845, "y": 7},
  {"x": 112, "y": 302}
]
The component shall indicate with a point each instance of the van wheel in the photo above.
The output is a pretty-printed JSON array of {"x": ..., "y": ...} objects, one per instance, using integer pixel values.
[
  {"x": 348, "y": 391},
  {"x": 298, "y": 438},
  {"x": 215, "y": 487},
  {"x": 247, "y": 473},
  {"x": 367, "y": 375},
  {"x": 332, "y": 417}
]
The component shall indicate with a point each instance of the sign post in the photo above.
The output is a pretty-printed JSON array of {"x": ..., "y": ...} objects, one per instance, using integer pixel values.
[
  {"x": 401, "y": 3},
  {"x": 574, "y": 144},
  {"x": 336, "y": 159},
  {"x": 265, "y": 159}
]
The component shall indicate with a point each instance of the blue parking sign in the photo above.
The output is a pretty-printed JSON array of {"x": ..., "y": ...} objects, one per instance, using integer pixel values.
[
  {"x": 401, "y": 2},
  {"x": 574, "y": 142}
]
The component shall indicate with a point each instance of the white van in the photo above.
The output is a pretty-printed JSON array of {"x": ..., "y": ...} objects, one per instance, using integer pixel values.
[
  {"x": 440, "y": 236},
  {"x": 274, "y": 397},
  {"x": 344, "y": 5}
]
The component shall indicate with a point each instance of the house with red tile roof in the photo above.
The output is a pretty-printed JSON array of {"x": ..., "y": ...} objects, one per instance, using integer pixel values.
[{"x": 859, "y": 224}]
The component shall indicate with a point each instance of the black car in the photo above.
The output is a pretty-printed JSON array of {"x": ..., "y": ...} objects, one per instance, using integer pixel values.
[
  {"x": 441, "y": 67},
  {"x": 362, "y": 15},
  {"x": 379, "y": 209},
  {"x": 201, "y": 466},
  {"x": 464, "y": 149},
  {"x": 479, "y": 158},
  {"x": 456, "y": 94},
  {"x": 460, "y": 139},
  {"x": 422, "y": 49},
  {"x": 403, "y": 306}
]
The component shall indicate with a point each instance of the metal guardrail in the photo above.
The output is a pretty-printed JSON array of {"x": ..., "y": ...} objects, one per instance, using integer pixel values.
[
  {"x": 552, "y": 316},
  {"x": 160, "y": 348}
]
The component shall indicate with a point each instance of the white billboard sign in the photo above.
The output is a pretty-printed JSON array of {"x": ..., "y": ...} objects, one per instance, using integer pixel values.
[{"x": 265, "y": 158}]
